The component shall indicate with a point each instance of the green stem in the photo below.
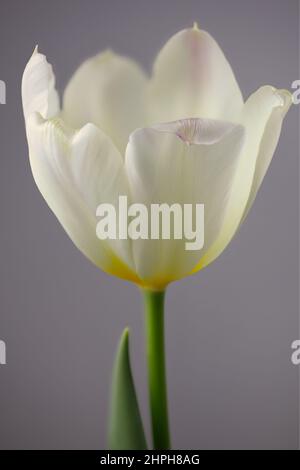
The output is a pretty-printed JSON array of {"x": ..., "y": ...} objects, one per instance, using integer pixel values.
[{"x": 154, "y": 310}]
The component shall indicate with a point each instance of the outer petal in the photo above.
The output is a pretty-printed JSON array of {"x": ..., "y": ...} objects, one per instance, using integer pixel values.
[
  {"x": 262, "y": 117},
  {"x": 109, "y": 91},
  {"x": 270, "y": 137},
  {"x": 192, "y": 78},
  {"x": 163, "y": 168},
  {"x": 75, "y": 171},
  {"x": 71, "y": 170},
  {"x": 38, "y": 87}
]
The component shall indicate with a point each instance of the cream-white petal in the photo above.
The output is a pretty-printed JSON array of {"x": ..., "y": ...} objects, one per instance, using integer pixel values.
[
  {"x": 164, "y": 168},
  {"x": 108, "y": 90},
  {"x": 269, "y": 140},
  {"x": 72, "y": 171},
  {"x": 262, "y": 118},
  {"x": 38, "y": 87},
  {"x": 192, "y": 78}
]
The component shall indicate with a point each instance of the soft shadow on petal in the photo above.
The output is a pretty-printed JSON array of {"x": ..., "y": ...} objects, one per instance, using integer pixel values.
[
  {"x": 109, "y": 91},
  {"x": 192, "y": 78},
  {"x": 164, "y": 168},
  {"x": 262, "y": 117}
]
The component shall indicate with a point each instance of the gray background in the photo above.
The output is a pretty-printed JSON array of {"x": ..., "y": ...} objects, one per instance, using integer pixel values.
[{"x": 229, "y": 328}]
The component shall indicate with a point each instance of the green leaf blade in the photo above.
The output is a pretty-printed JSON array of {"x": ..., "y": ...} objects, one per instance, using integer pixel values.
[{"x": 125, "y": 424}]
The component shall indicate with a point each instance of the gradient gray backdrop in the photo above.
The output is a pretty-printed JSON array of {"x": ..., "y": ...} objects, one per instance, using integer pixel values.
[{"x": 229, "y": 328}]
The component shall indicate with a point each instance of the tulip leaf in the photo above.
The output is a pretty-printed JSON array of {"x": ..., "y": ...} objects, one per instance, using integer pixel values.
[{"x": 125, "y": 424}]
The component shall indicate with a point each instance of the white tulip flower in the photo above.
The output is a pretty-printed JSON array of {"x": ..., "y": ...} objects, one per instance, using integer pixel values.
[{"x": 210, "y": 147}]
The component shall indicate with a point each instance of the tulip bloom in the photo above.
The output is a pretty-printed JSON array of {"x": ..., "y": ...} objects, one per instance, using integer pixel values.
[
  {"x": 184, "y": 135},
  {"x": 105, "y": 142}
]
